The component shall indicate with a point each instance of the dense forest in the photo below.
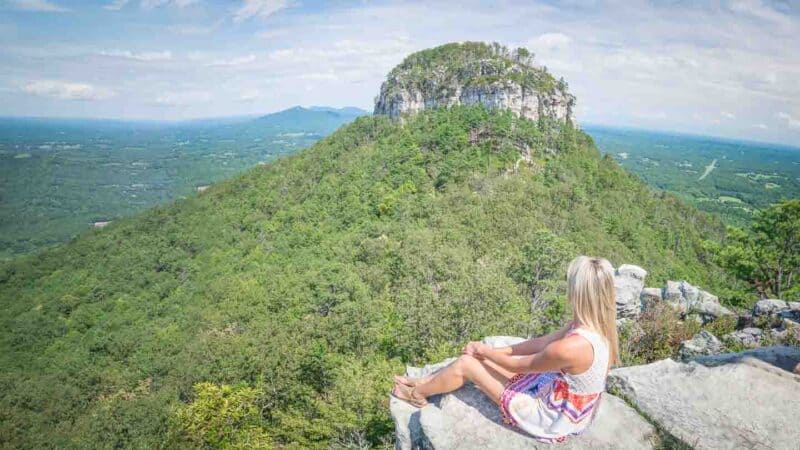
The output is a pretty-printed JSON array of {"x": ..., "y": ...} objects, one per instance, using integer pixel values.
[
  {"x": 734, "y": 179},
  {"x": 272, "y": 308},
  {"x": 58, "y": 177}
]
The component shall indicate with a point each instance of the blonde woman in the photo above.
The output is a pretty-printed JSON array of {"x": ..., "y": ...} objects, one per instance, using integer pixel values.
[{"x": 548, "y": 386}]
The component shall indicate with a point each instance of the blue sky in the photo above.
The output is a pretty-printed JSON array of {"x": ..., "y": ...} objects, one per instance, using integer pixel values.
[{"x": 729, "y": 68}]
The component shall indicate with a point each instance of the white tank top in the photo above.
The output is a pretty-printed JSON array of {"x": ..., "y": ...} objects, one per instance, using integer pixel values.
[{"x": 594, "y": 378}]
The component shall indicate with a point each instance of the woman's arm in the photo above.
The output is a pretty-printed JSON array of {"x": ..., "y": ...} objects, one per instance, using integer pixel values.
[
  {"x": 534, "y": 345},
  {"x": 560, "y": 354}
]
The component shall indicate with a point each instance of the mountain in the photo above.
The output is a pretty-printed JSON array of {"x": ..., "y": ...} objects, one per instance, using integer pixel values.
[
  {"x": 301, "y": 119},
  {"x": 272, "y": 308},
  {"x": 59, "y": 176},
  {"x": 346, "y": 111}
]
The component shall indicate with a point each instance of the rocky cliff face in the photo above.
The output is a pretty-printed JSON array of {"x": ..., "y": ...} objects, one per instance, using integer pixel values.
[{"x": 472, "y": 74}]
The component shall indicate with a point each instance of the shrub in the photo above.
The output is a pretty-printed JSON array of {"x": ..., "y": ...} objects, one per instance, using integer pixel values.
[
  {"x": 660, "y": 335},
  {"x": 222, "y": 416}
]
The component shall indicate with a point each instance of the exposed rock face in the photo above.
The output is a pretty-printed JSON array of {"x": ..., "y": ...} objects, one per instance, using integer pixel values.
[
  {"x": 781, "y": 356},
  {"x": 467, "y": 419},
  {"x": 703, "y": 343},
  {"x": 741, "y": 403},
  {"x": 769, "y": 307},
  {"x": 472, "y": 74},
  {"x": 693, "y": 300},
  {"x": 629, "y": 281},
  {"x": 746, "y": 337},
  {"x": 650, "y": 297}
]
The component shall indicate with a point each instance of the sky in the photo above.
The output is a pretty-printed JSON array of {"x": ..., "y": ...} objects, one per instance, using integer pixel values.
[{"x": 722, "y": 68}]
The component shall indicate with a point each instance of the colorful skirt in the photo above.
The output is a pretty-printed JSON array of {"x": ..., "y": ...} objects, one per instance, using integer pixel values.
[{"x": 542, "y": 405}]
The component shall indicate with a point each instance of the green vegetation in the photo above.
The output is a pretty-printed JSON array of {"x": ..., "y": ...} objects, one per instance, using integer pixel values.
[
  {"x": 768, "y": 254},
  {"x": 59, "y": 176},
  {"x": 731, "y": 178},
  {"x": 273, "y": 308},
  {"x": 474, "y": 63}
]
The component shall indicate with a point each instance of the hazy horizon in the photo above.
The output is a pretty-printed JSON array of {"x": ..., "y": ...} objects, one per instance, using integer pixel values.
[{"x": 683, "y": 68}]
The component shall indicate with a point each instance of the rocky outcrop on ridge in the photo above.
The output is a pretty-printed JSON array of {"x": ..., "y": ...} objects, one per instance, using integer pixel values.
[
  {"x": 734, "y": 401},
  {"x": 474, "y": 73},
  {"x": 729, "y": 401},
  {"x": 467, "y": 419},
  {"x": 703, "y": 343},
  {"x": 633, "y": 297},
  {"x": 710, "y": 400}
]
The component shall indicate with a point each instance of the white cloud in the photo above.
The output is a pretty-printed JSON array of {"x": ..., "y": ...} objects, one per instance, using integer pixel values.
[
  {"x": 791, "y": 121},
  {"x": 249, "y": 95},
  {"x": 261, "y": 8},
  {"x": 182, "y": 98},
  {"x": 37, "y": 6},
  {"x": 549, "y": 41},
  {"x": 728, "y": 115},
  {"x": 152, "y": 4},
  {"x": 269, "y": 34},
  {"x": 233, "y": 62},
  {"x": 757, "y": 9},
  {"x": 761, "y": 126},
  {"x": 63, "y": 90},
  {"x": 165, "y": 55},
  {"x": 193, "y": 30},
  {"x": 116, "y": 5}
]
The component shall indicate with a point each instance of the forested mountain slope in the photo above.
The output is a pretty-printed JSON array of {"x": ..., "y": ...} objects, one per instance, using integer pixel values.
[{"x": 296, "y": 289}]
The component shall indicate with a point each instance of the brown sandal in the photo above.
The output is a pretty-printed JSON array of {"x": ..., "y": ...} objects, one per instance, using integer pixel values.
[
  {"x": 411, "y": 382},
  {"x": 406, "y": 394}
]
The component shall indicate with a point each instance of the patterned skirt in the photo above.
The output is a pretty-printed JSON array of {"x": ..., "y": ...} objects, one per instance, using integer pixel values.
[{"x": 562, "y": 413}]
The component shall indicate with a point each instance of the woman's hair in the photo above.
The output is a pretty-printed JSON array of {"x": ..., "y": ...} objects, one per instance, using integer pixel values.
[{"x": 591, "y": 292}]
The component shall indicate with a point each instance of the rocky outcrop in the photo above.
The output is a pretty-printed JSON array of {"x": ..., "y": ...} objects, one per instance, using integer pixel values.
[
  {"x": 725, "y": 401},
  {"x": 633, "y": 297},
  {"x": 746, "y": 337},
  {"x": 629, "y": 282},
  {"x": 703, "y": 343},
  {"x": 473, "y": 74},
  {"x": 467, "y": 419},
  {"x": 690, "y": 300},
  {"x": 738, "y": 402}
]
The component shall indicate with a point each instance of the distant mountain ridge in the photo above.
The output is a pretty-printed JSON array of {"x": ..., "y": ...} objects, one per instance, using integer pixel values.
[{"x": 298, "y": 118}]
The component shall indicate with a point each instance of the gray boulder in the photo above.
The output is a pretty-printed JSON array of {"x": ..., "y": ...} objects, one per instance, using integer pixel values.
[
  {"x": 690, "y": 299},
  {"x": 467, "y": 419},
  {"x": 673, "y": 293},
  {"x": 742, "y": 402},
  {"x": 703, "y": 343},
  {"x": 781, "y": 356},
  {"x": 747, "y": 337},
  {"x": 629, "y": 282},
  {"x": 769, "y": 307},
  {"x": 650, "y": 297}
]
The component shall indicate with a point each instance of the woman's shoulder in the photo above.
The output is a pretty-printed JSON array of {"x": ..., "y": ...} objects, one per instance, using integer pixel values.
[{"x": 576, "y": 350}]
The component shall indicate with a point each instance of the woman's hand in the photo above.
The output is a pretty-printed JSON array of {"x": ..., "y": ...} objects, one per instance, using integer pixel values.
[{"x": 477, "y": 350}]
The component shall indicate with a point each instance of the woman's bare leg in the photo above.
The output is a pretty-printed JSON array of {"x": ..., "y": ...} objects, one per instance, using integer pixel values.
[
  {"x": 485, "y": 375},
  {"x": 409, "y": 381}
]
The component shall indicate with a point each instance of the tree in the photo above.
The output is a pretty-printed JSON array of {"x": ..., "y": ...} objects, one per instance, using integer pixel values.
[
  {"x": 542, "y": 268},
  {"x": 768, "y": 255}
]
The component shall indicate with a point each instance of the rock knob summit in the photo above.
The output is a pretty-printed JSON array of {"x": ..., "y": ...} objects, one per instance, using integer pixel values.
[{"x": 473, "y": 73}]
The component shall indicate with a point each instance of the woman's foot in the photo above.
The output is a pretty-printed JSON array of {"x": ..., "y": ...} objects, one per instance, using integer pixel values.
[
  {"x": 408, "y": 395},
  {"x": 412, "y": 382}
]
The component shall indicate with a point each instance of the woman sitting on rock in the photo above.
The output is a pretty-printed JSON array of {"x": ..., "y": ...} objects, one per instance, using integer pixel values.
[{"x": 548, "y": 386}]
